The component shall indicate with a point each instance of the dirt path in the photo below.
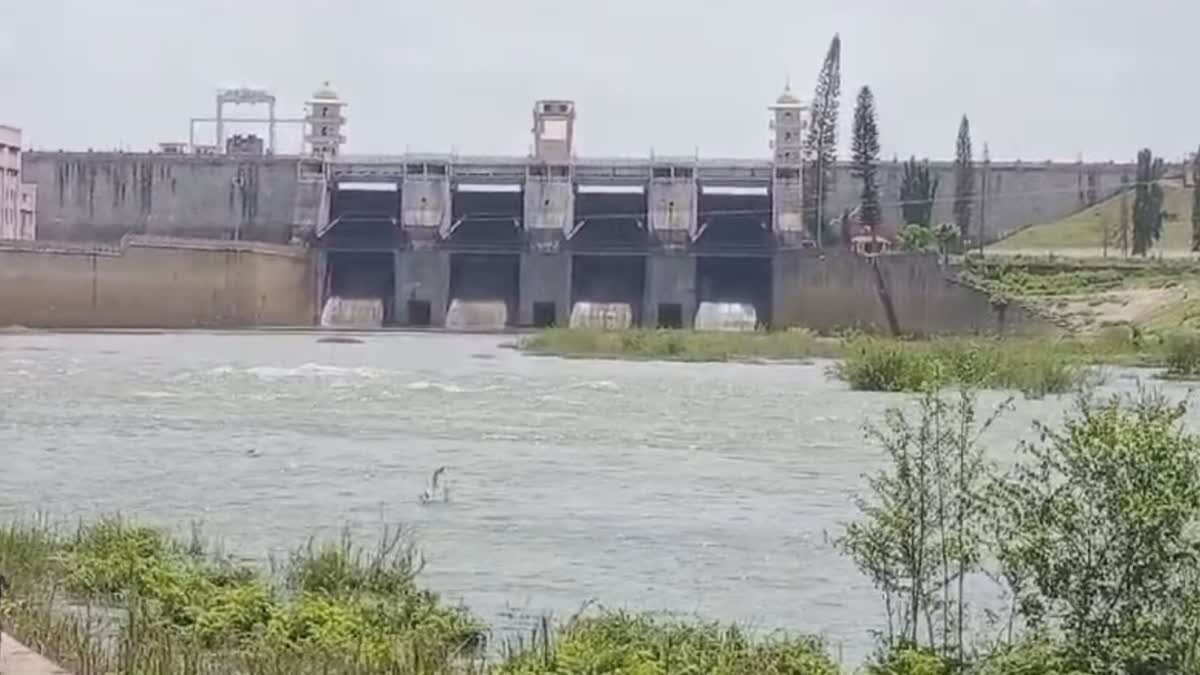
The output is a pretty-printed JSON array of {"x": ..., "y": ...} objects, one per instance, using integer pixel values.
[{"x": 17, "y": 659}]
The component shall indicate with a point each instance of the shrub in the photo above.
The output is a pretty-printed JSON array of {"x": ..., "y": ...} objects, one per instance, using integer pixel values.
[
  {"x": 617, "y": 642},
  {"x": 1035, "y": 369},
  {"x": 1182, "y": 354}
]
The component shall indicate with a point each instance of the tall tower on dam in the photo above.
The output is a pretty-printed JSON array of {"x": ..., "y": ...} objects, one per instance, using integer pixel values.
[
  {"x": 789, "y": 125},
  {"x": 324, "y": 118}
]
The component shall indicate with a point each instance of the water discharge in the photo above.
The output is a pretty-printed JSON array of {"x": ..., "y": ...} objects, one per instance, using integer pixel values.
[
  {"x": 352, "y": 313},
  {"x": 699, "y": 488},
  {"x": 726, "y": 316},
  {"x": 606, "y": 315},
  {"x": 476, "y": 315}
]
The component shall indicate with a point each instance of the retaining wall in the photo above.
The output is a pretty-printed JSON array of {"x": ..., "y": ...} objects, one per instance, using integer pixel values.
[
  {"x": 151, "y": 282},
  {"x": 842, "y": 291}
]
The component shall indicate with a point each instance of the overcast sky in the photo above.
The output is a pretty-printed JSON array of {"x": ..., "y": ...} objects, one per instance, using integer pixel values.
[{"x": 1039, "y": 79}]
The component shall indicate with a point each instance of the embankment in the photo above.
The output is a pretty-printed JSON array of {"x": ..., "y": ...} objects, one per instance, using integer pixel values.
[
  {"x": 898, "y": 294},
  {"x": 153, "y": 282}
]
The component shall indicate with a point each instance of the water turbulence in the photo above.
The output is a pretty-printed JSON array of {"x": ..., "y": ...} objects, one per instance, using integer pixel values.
[
  {"x": 605, "y": 315},
  {"x": 483, "y": 291},
  {"x": 359, "y": 286},
  {"x": 726, "y": 316},
  {"x": 607, "y": 290},
  {"x": 736, "y": 290},
  {"x": 352, "y": 313}
]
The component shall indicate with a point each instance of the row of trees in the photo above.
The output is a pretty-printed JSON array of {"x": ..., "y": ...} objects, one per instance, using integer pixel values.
[{"x": 918, "y": 189}]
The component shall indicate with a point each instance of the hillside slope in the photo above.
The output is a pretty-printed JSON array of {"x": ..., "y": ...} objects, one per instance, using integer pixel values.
[{"x": 1084, "y": 232}]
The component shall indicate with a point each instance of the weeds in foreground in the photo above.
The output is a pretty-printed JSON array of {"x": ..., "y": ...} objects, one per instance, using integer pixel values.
[
  {"x": 679, "y": 345},
  {"x": 1034, "y": 368}
]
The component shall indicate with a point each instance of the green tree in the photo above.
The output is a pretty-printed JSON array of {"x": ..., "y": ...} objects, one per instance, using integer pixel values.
[
  {"x": 1196, "y": 201},
  {"x": 920, "y": 533},
  {"x": 964, "y": 180},
  {"x": 866, "y": 158},
  {"x": 820, "y": 145},
  {"x": 1147, "y": 202},
  {"x": 918, "y": 190},
  {"x": 916, "y": 238},
  {"x": 1097, "y": 535}
]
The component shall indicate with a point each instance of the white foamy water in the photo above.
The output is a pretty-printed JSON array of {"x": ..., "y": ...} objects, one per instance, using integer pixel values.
[
  {"x": 737, "y": 317},
  {"x": 352, "y": 312},
  {"x": 606, "y": 315},
  {"x": 705, "y": 488}
]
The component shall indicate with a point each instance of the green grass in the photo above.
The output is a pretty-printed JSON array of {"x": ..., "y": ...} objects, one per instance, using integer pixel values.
[
  {"x": 678, "y": 345},
  {"x": 118, "y": 597},
  {"x": 1035, "y": 368},
  {"x": 618, "y": 642},
  {"x": 1085, "y": 229}
]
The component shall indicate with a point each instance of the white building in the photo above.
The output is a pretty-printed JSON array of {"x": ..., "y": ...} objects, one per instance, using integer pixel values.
[{"x": 18, "y": 200}]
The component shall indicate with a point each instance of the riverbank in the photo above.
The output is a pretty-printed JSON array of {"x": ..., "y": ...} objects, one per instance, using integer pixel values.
[
  {"x": 1034, "y": 366},
  {"x": 118, "y": 596}
]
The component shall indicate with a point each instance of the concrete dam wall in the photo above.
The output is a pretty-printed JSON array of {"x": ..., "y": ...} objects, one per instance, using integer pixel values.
[
  {"x": 906, "y": 294},
  {"x": 149, "y": 282},
  {"x": 105, "y": 196}
]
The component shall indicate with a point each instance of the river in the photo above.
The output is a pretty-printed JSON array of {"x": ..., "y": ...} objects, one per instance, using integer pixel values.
[{"x": 705, "y": 489}]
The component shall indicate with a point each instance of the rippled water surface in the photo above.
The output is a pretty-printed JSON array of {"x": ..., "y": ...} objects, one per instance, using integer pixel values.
[{"x": 705, "y": 488}]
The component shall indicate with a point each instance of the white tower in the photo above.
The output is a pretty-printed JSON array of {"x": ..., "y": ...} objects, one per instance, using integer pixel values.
[
  {"x": 787, "y": 200},
  {"x": 325, "y": 120},
  {"x": 788, "y": 122}
]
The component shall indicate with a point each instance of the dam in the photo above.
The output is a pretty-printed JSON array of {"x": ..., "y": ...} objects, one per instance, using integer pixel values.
[{"x": 551, "y": 238}]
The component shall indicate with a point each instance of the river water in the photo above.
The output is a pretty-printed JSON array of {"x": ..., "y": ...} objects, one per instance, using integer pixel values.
[{"x": 705, "y": 489}]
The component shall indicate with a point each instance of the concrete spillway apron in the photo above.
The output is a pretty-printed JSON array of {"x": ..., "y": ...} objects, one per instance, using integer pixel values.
[{"x": 17, "y": 659}]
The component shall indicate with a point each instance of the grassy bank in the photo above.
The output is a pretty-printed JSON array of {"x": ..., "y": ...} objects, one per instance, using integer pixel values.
[
  {"x": 937, "y": 518},
  {"x": 678, "y": 345},
  {"x": 115, "y": 596},
  {"x": 1036, "y": 367}
]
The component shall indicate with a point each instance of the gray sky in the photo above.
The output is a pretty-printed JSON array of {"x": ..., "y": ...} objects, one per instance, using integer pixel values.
[{"x": 1039, "y": 79}]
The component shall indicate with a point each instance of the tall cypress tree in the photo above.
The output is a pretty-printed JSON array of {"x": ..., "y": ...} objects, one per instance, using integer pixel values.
[
  {"x": 964, "y": 179},
  {"x": 820, "y": 145},
  {"x": 866, "y": 158},
  {"x": 1196, "y": 201},
  {"x": 1147, "y": 202}
]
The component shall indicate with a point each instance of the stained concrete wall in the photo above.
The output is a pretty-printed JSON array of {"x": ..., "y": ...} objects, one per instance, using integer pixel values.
[
  {"x": 549, "y": 205},
  {"x": 545, "y": 278},
  {"x": 842, "y": 291},
  {"x": 148, "y": 282},
  {"x": 1018, "y": 194},
  {"x": 672, "y": 208},
  {"x": 104, "y": 196},
  {"x": 669, "y": 279},
  {"x": 422, "y": 275}
]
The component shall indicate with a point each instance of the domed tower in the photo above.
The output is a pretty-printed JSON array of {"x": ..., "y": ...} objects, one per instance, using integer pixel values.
[
  {"x": 325, "y": 120},
  {"x": 788, "y": 123}
]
